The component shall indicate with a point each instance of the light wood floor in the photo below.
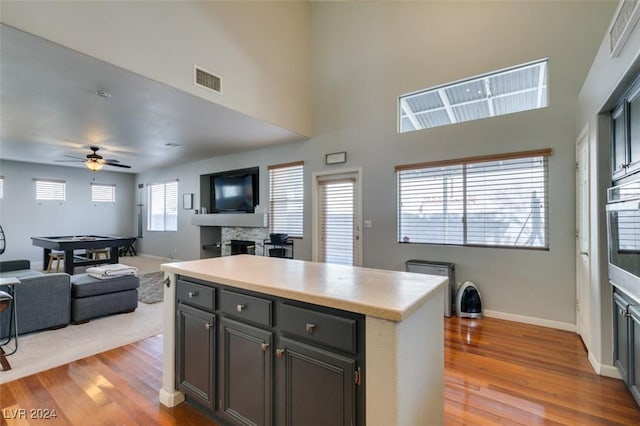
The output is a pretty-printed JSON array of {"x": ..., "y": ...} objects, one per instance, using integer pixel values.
[{"x": 496, "y": 372}]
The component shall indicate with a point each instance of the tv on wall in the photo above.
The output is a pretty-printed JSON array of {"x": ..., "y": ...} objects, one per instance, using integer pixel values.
[{"x": 235, "y": 191}]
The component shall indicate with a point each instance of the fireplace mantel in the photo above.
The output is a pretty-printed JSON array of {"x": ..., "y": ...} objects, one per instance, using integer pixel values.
[{"x": 249, "y": 220}]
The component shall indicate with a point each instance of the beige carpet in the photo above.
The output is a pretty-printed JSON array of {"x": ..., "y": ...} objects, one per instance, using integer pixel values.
[{"x": 47, "y": 349}]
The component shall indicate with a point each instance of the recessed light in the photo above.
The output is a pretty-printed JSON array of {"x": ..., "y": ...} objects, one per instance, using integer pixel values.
[{"x": 103, "y": 94}]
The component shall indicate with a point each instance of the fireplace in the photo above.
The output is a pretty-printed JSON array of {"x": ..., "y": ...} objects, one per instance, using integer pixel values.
[{"x": 243, "y": 247}]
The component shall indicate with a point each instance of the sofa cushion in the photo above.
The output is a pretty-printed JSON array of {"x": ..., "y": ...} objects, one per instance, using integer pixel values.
[
  {"x": 14, "y": 265},
  {"x": 84, "y": 285}
]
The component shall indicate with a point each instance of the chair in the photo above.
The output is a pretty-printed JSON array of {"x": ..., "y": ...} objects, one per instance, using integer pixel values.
[
  {"x": 6, "y": 300},
  {"x": 98, "y": 253}
]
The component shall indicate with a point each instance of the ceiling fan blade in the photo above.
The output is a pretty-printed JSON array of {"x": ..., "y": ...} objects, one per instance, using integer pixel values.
[
  {"x": 70, "y": 161},
  {"x": 77, "y": 158},
  {"x": 108, "y": 163}
]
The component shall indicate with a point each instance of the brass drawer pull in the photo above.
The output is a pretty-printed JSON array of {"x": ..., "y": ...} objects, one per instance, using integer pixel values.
[
  {"x": 240, "y": 307},
  {"x": 310, "y": 328}
]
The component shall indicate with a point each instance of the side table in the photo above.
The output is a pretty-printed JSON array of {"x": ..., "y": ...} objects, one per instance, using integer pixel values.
[{"x": 6, "y": 299}]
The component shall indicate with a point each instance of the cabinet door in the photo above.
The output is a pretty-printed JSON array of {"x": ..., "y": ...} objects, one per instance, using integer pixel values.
[
  {"x": 633, "y": 159},
  {"x": 246, "y": 361},
  {"x": 634, "y": 355},
  {"x": 618, "y": 142},
  {"x": 195, "y": 338},
  {"x": 621, "y": 336},
  {"x": 315, "y": 387}
]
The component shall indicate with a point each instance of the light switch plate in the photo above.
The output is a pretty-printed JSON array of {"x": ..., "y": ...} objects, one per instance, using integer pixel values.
[{"x": 368, "y": 224}]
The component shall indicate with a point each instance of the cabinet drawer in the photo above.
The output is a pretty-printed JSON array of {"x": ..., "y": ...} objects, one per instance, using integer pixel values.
[
  {"x": 318, "y": 327},
  {"x": 246, "y": 307},
  {"x": 196, "y": 295}
]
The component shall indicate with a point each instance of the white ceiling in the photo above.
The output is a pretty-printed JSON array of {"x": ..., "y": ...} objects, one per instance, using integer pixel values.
[{"x": 49, "y": 109}]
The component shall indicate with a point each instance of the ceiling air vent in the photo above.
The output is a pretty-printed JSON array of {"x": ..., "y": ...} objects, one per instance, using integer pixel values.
[
  {"x": 208, "y": 80},
  {"x": 624, "y": 21}
]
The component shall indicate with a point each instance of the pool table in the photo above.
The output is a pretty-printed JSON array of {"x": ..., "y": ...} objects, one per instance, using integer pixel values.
[{"x": 69, "y": 244}]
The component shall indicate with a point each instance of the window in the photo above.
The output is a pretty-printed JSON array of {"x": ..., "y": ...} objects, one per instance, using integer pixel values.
[
  {"x": 520, "y": 88},
  {"x": 163, "y": 207},
  {"x": 103, "y": 193},
  {"x": 1, "y": 186},
  {"x": 286, "y": 193},
  {"x": 50, "y": 190},
  {"x": 499, "y": 201}
]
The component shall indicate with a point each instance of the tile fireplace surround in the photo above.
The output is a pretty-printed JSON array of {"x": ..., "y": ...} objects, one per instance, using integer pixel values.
[{"x": 243, "y": 233}]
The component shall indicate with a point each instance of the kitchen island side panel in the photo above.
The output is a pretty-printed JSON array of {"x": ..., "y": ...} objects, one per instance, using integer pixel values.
[{"x": 405, "y": 368}]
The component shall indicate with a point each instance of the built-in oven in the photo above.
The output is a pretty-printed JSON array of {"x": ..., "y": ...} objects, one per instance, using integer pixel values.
[{"x": 623, "y": 233}]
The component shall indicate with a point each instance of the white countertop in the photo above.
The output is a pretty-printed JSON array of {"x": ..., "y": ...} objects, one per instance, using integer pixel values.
[{"x": 378, "y": 293}]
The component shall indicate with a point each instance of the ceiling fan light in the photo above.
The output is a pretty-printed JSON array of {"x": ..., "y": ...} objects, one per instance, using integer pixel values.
[{"x": 94, "y": 166}]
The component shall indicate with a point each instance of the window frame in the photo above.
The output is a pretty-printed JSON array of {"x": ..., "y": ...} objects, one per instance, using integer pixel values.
[
  {"x": 275, "y": 203},
  {"x": 38, "y": 181},
  {"x": 150, "y": 205},
  {"x": 447, "y": 104},
  {"x": 463, "y": 162},
  {"x": 112, "y": 186}
]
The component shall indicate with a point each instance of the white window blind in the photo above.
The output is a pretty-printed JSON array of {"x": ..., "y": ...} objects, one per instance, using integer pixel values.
[
  {"x": 50, "y": 190},
  {"x": 337, "y": 213},
  {"x": 483, "y": 201},
  {"x": 286, "y": 197},
  {"x": 103, "y": 193},
  {"x": 162, "y": 206},
  {"x": 1, "y": 186}
]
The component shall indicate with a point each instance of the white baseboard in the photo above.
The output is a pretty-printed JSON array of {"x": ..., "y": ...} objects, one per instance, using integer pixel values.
[
  {"x": 604, "y": 370},
  {"x": 166, "y": 259},
  {"x": 531, "y": 320}
]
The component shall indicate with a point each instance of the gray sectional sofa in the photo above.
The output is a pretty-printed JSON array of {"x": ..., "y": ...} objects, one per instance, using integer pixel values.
[
  {"x": 42, "y": 300},
  {"x": 48, "y": 301}
]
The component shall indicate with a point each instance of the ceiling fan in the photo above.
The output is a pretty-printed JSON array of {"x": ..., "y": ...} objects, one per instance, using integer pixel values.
[{"x": 95, "y": 161}]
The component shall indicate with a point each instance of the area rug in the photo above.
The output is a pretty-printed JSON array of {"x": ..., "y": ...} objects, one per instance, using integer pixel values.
[
  {"x": 47, "y": 349},
  {"x": 151, "y": 288}
]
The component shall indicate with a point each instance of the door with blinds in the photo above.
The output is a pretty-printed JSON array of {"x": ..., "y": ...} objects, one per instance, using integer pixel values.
[{"x": 338, "y": 219}]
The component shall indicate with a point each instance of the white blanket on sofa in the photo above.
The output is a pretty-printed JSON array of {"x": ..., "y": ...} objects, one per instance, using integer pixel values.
[{"x": 110, "y": 271}]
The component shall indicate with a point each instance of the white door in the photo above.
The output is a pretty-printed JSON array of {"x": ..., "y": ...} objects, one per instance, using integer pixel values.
[
  {"x": 337, "y": 218},
  {"x": 583, "y": 238}
]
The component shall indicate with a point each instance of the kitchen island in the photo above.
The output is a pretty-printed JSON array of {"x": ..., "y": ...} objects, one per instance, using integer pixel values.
[{"x": 386, "y": 329}]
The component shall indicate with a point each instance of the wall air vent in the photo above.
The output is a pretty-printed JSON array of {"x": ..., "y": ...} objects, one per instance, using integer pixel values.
[
  {"x": 624, "y": 21},
  {"x": 207, "y": 80}
]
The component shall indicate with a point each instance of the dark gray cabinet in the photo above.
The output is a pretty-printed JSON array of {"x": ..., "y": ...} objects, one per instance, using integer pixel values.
[
  {"x": 625, "y": 134},
  {"x": 315, "y": 386},
  {"x": 246, "y": 379},
  {"x": 195, "y": 354},
  {"x": 278, "y": 361},
  {"x": 626, "y": 347}
]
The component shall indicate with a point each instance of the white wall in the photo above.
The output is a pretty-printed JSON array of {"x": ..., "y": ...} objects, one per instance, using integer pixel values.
[
  {"x": 260, "y": 49},
  {"x": 365, "y": 54},
  {"x": 607, "y": 78},
  {"x": 22, "y": 217}
]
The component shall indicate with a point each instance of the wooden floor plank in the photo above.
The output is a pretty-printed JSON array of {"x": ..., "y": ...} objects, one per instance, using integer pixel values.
[{"x": 496, "y": 372}]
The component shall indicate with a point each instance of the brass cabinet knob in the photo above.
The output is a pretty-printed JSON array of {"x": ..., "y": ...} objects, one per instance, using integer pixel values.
[
  {"x": 240, "y": 307},
  {"x": 309, "y": 328},
  {"x": 208, "y": 326},
  {"x": 264, "y": 347},
  {"x": 192, "y": 294},
  {"x": 279, "y": 353}
]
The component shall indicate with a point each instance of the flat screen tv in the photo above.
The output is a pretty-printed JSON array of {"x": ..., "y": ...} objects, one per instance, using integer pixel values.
[{"x": 235, "y": 191}]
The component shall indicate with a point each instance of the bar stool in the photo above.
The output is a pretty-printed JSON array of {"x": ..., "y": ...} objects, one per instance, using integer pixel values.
[
  {"x": 7, "y": 300},
  {"x": 98, "y": 253},
  {"x": 57, "y": 257}
]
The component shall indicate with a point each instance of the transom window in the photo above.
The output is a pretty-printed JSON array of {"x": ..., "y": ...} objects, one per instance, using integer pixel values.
[
  {"x": 50, "y": 190},
  {"x": 520, "y": 88},
  {"x": 499, "y": 200},
  {"x": 103, "y": 193},
  {"x": 286, "y": 198},
  {"x": 163, "y": 206}
]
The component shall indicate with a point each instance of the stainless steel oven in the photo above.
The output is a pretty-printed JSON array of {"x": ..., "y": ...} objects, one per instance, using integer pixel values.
[{"x": 623, "y": 233}]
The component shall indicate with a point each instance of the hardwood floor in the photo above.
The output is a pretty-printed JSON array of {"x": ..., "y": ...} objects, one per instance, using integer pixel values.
[{"x": 496, "y": 372}]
